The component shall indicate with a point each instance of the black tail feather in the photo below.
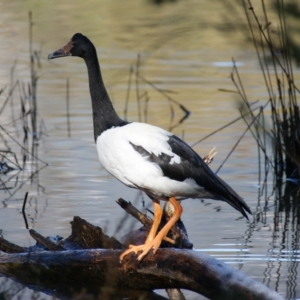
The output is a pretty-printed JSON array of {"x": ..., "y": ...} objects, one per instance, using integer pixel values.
[{"x": 228, "y": 195}]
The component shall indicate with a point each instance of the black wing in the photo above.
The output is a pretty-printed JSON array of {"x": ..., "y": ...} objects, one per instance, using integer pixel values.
[{"x": 193, "y": 166}]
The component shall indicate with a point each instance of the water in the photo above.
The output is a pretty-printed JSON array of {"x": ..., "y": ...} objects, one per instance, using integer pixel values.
[{"x": 186, "y": 49}]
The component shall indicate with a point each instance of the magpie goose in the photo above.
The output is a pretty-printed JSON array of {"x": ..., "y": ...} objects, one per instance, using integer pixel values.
[{"x": 147, "y": 157}]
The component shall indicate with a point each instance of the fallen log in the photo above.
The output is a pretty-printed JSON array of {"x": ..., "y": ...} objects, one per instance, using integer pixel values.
[
  {"x": 72, "y": 271},
  {"x": 66, "y": 273}
]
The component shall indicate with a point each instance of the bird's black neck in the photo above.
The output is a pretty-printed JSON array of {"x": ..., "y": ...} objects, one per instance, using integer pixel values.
[{"x": 104, "y": 115}]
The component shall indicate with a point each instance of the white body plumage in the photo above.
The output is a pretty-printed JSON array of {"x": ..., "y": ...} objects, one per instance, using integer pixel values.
[{"x": 120, "y": 159}]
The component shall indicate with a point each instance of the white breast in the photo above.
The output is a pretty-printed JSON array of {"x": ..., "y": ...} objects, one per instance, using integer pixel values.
[{"x": 121, "y": 160}]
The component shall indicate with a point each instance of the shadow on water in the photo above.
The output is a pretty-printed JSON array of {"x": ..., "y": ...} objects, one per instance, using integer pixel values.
[
  {"x": 9, "y": 290},
  {"x": 280, "y": 217},
  {"x": 287, "y": 217}
]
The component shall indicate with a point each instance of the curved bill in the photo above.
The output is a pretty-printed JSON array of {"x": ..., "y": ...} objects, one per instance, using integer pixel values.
[{"x": 62, "y": 52}]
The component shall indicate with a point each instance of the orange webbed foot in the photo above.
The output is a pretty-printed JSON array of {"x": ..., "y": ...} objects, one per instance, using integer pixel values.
[{"x": 145, "y": 248}]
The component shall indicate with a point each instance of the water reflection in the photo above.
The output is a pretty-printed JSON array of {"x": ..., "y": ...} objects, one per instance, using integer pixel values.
[{"x": 185, "y": 54}]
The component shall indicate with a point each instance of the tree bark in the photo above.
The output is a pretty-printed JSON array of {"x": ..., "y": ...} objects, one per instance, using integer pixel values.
[{"x": 70, "y": 272}]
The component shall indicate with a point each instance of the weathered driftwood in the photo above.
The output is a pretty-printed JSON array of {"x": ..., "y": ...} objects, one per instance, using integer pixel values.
[
  {"x": 98, "y": 271},
  {"x": 70, "y": 272},
  {"x": 9, "y": 247}
]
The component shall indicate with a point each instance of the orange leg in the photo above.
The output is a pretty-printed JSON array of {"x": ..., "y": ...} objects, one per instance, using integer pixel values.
[
  {"x": 157, "y": 218},
  {"x": 154, "y": 242}
]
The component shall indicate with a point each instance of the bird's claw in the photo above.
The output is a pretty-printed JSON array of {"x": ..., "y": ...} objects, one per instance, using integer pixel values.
[{"x": 145, "y": 248}]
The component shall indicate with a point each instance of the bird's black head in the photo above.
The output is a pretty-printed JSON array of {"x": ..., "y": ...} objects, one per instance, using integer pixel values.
[{"x": 79, "y": 45}]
